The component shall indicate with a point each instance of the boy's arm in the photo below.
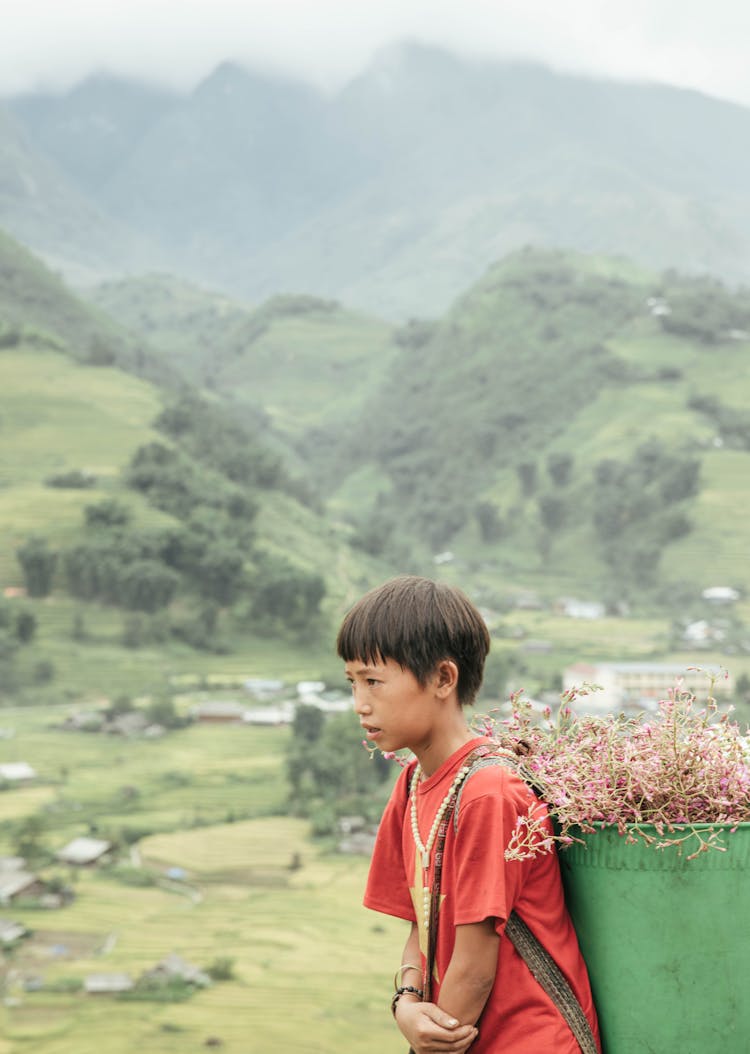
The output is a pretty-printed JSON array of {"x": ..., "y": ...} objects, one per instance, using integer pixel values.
[
  {"x": 471, "y": 972},
  {"x": 427, "y": 1027}
]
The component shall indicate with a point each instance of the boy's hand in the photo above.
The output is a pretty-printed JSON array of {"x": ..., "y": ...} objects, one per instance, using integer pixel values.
[{"x": 430, "y": 1030}]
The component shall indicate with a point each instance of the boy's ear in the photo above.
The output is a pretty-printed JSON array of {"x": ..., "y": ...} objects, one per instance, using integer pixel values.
[{"x": 446, "y": 677}]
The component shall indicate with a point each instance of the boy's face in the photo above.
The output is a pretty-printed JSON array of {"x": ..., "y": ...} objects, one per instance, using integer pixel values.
[{"x": 394, "y": 709}]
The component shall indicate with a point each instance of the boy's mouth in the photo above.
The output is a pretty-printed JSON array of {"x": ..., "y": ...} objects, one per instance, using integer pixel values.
[{"x": 370, "y": 730}]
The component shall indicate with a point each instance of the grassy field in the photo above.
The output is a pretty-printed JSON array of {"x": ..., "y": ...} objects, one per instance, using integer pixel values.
[
  {"x": 56, "y": 415},
  {"x": 312, "y": 968}
]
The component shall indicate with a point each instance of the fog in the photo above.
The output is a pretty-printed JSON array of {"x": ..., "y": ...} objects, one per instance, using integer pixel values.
[{"x": 48, "y": 44}]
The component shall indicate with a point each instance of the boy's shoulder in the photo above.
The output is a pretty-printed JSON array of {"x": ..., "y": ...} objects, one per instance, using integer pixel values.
[{"x": 497, "y": 779}]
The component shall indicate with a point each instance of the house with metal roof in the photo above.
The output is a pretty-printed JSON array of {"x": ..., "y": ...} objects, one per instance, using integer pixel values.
[{"x": 83, "y": 852}]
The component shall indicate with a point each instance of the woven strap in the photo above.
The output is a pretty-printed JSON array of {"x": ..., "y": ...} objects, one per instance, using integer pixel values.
[
  {"x": 552, "y": 980},
  {"x": 436, "y": 880},
  {"x": 531, "y": 950}
]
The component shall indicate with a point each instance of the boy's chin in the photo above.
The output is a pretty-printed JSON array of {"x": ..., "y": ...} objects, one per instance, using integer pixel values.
[{"x": 385, "y": 744}]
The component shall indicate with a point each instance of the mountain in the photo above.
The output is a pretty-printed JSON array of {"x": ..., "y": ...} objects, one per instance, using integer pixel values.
[
  {"x": 396, "y": 193},
  {"x": 235, "y": 164},
  {"x": 94, "y": 128},
  {"x": 41, "y": 206}
]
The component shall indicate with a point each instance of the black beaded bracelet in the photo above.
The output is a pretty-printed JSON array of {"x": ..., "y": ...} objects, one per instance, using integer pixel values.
[{"x": 402, "y": 991}]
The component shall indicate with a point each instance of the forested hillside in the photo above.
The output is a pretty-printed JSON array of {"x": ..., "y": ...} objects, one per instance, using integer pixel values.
[
  {"x": 567, "y": 418},
  {"x": 622, "y": 475},
  {"x": 141, "y": 514}
]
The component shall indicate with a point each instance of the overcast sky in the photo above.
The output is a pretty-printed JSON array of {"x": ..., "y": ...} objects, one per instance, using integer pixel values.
[{"x": 703, "y": 44}]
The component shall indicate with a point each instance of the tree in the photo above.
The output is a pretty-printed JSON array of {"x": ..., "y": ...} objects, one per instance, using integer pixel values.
[
  {"x": 107, "y": 513},
  {"x": 308, "y": 723},
  {"x": 490, "y": 521},
  {"x": 335, "y": 776},
  {"x": 28, "y": 837},
  {"x": 147, "y": 585},
  {"x": 552, "y": 514},
  {"x": 497, "y": 669},
  {"x": 552, "y": 511},
  {"x": 123, "y": 704},
  {"x": 219, "y": 572},
  {"x": 287, "y": 594},
  {"x": 25, "y": 626},
  {"x": 38, "y": 562},
  {"x": 681, "y": 479},
  {"x": 527, "y": 472},
  {"x": 559, "y": 467},
  {"x": 163, "y": 712}
]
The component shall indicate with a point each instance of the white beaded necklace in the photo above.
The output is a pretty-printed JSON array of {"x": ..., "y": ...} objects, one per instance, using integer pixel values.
[{"x": 425, "y": 850}]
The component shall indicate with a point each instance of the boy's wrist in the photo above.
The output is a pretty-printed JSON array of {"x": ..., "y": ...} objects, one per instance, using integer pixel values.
[
  {"x": 398, "y": 977},
  {"x": 409, "y": 993}
]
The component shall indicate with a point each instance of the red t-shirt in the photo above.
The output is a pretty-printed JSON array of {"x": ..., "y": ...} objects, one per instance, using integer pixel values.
[{"x": 478, "y": 883}]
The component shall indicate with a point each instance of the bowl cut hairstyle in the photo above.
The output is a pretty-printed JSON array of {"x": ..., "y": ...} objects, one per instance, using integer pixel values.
[{"x": 418, "y": 623}]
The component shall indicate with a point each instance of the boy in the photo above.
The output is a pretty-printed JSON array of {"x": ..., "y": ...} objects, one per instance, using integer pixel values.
[{"x": 414, "y": 653}]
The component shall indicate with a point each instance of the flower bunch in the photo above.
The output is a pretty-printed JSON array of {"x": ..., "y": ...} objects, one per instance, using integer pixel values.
[{"x": 676, "y": 771}]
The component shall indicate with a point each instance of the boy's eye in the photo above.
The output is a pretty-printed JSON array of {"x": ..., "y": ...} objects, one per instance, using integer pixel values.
[{"x": 371, "y": 681}]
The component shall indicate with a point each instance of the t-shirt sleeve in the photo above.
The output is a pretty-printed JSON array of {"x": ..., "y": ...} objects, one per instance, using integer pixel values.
[
  {"x": 387, "y": 888},
  {"x": 486, "y": 884}
]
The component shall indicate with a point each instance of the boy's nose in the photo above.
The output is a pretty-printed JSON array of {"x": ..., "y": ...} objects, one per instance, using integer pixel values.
[{"x": 360, "y": 706}]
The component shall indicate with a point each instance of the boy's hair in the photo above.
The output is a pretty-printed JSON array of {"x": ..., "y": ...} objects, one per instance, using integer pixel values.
[{"x": 418, "y": 623}]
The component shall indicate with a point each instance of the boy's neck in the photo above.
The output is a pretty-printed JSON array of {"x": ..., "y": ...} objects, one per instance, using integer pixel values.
[{"x": 444, "y": 744}]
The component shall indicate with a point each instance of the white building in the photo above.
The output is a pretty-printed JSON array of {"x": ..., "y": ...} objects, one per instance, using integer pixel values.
[
  {"x": 83, "y": 851},
  {"x": 16, "y": 771},
  {"x": 637, "y": 685},
  {"x": 720, "y": 595}
]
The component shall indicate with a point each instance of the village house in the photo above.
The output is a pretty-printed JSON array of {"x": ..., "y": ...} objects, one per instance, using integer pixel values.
[
  {"x": 11, "y": 931},
  {"x": 130, "y": 724},
  {"x": 18, "y": 884},
  {"x": 12, "y": 863},
  {"x": 271, "y": 716},
  {"x": 702, "y": 634},
  {"x": 262, "y": 687},
  {"x": 175, "y": 968},
  {"x": 635, "y": 685},
  {"x": 218, "y": 711},
  {"x": 84, "y": 721},
  {"x": 107, "y": 983},
  {"x": 535, "y": 645},
  {"x": 310, "y": 689},
  {"x": 720, "y": 595},
  {"x": 528, "y": 601},
  {"x": 16, "y": 772},
  {"x": 571, "y": 607},
  {"x": 84, "y": 852},
  {"x": 358, "y": 835}
]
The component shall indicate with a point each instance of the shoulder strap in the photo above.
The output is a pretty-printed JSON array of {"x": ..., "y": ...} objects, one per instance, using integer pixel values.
[
  {"x": 552, "y": 980},
  {"x": 541, "y": 964}
]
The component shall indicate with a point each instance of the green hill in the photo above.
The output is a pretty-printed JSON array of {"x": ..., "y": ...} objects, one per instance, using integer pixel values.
[
  {"x": 568, "y": 421},
  {"x": 70, "y": 435},
  {"x": 557, "y": 387},
  {"x": 300, "y": 360},
  {"x": 572, "y": 426},
  {"x": 175, "y": 533},
  {"x": 38, "y": 309},
  {"x": 185, "y": 321}
]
